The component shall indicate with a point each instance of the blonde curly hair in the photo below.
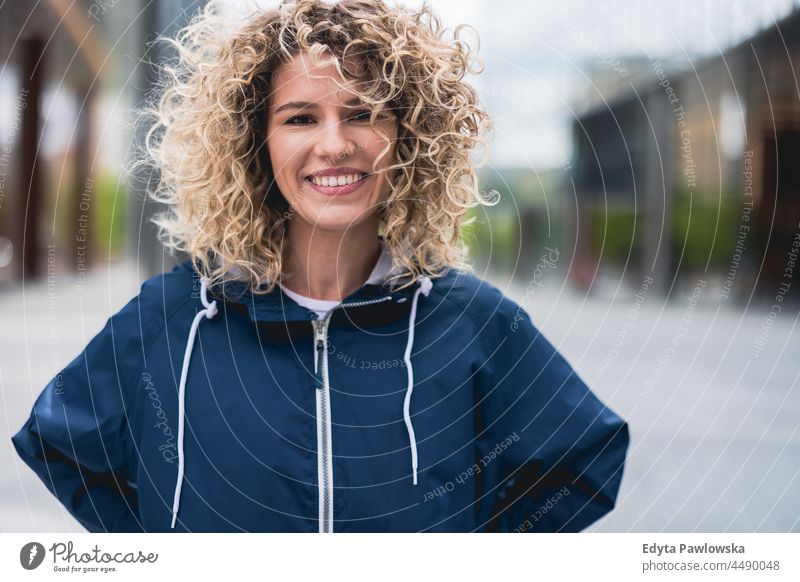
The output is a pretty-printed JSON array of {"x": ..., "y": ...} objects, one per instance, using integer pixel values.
[{"x": 208, "y": 137}]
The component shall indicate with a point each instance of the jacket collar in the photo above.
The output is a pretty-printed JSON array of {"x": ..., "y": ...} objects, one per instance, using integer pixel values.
[{"x": 277, "y": 306}]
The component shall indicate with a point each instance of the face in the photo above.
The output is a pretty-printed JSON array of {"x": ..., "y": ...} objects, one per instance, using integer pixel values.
[{"x": 323, "y": 151}]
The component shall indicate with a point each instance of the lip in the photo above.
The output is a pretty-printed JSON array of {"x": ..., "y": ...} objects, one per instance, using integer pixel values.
[{"x": 338, "y": 190}]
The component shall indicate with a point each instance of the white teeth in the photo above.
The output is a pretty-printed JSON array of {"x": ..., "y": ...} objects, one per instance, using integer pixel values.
[{"x": 336, "y": 180}]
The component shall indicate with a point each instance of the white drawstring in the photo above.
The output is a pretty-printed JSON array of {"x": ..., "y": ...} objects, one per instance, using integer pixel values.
[
  {"x": 209, "y": 311},
  {"x": 424, "y": 288}
]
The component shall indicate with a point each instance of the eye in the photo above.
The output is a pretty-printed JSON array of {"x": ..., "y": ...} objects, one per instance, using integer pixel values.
[
  {"x": 297, "y": 120},
  {"x": 362, "y": 115}
]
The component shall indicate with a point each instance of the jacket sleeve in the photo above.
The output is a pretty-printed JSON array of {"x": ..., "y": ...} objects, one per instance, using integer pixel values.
[
  {"x": 77, "y": 434},
  {"x": 552, "y": 454}
]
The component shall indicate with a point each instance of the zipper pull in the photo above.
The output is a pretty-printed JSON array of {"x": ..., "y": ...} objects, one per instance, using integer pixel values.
[{"x": 317, "y": 359}]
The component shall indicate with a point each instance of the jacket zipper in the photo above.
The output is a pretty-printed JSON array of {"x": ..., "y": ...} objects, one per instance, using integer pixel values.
[{"x": 324, "y": 448}]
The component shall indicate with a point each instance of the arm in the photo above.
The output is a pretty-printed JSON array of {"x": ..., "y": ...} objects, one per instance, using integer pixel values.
[
  {"x": 553, "y": 453},
  {"x": 77, "y": 436}
]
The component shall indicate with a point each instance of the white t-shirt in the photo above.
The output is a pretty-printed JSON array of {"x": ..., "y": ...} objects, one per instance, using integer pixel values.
[{"x": 321, "y": 306}]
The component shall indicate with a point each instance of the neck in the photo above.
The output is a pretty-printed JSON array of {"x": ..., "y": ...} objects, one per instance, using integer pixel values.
[{"x": 328, "y": 264}]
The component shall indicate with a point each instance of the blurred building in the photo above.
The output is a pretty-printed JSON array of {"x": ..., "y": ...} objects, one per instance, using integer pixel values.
[
  {"x": 52, "y": 60},
  {"x": 73, "y": 78},
  {"x": 692, "y": 173}
]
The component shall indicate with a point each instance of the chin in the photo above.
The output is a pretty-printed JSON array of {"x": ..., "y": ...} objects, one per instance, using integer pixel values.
[{"x": 337, "y": 221}]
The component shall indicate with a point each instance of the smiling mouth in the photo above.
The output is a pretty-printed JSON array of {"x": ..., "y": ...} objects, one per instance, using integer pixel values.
[{"x": 336, "y": 181}]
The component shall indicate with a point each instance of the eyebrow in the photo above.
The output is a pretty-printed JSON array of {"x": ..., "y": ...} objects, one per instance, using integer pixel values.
[{"x": 307, "y": 105}]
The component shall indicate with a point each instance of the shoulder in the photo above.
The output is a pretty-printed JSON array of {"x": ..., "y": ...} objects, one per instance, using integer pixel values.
[
  {"x": 171, "y": 288},
  {"x": 159, "y": 299},
  {"x": 488, "y": 306},
  {"x": 116, "y": 353},
  {"x": 473, "y": 293}
]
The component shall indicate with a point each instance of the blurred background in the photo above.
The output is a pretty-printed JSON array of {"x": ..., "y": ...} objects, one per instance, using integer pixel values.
[{"x": 646, "y": 158}]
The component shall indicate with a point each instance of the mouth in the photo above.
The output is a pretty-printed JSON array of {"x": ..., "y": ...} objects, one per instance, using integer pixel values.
[{"x": 338, "y": 184}]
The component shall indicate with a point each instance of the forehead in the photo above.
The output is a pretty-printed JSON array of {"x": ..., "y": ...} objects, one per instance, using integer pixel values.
[{"x": 300, "y": 79}]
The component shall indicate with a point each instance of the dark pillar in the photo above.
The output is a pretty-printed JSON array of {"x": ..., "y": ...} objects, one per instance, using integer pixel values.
[
  {"x": 29, "y": 210},
  {"x": 659, "y": 167}
]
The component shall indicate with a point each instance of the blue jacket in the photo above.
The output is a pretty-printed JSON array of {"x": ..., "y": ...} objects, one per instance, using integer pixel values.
[{"x": 439, "y": 407}]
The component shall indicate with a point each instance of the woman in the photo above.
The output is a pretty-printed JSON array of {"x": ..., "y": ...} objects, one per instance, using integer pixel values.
[{"x": 325, "y": 361}]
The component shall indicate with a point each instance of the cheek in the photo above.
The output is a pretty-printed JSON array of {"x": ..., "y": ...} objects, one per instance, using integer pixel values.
[
  {"x": 372, "y": 143},
  {"x": 277, "y": 161},
  {"x": 279, "y": 149}
]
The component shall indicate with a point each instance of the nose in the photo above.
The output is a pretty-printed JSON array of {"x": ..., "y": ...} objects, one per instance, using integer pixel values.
[{"x": 333, "y": 141}]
